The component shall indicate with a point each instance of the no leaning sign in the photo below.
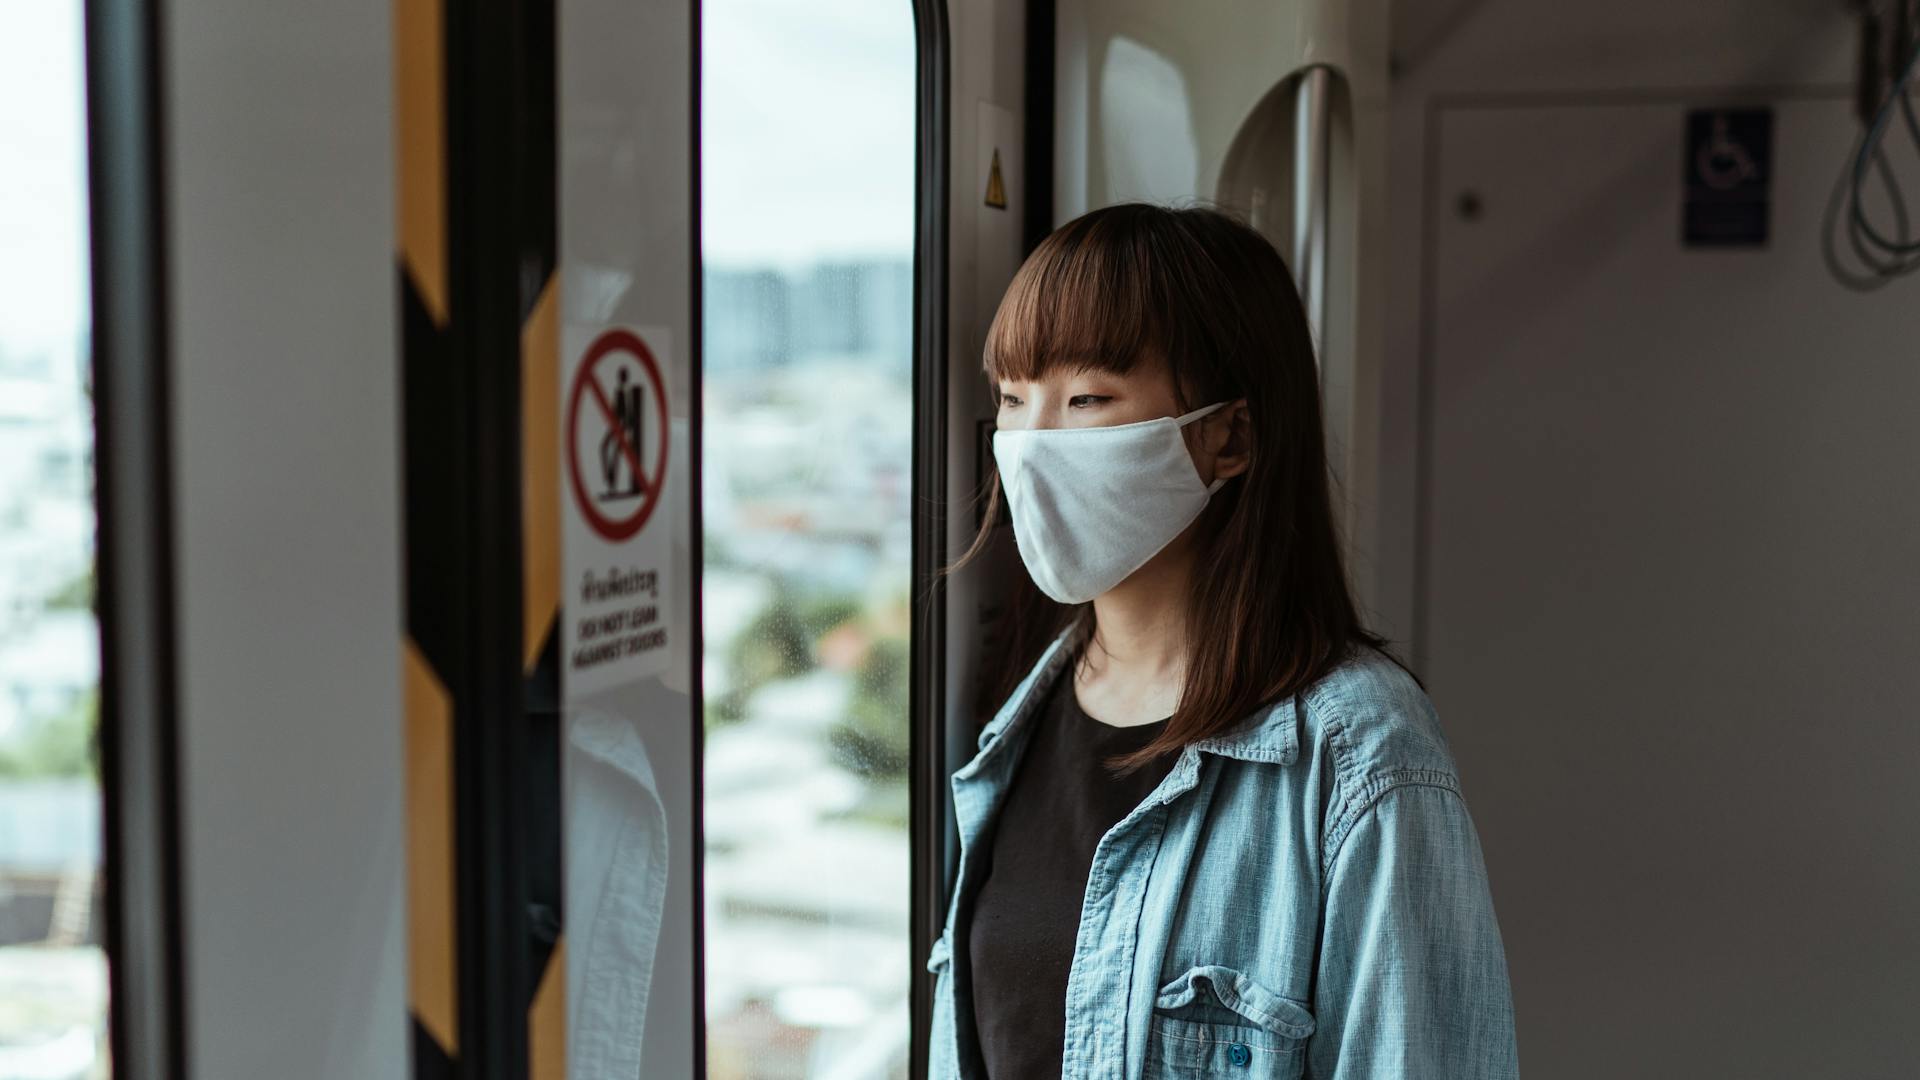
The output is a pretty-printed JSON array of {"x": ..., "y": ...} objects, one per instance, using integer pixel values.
[{"x": 615, "y": 426}]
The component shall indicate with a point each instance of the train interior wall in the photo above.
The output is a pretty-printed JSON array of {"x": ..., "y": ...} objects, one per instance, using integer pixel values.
[{"x": 1648, "y": 532}]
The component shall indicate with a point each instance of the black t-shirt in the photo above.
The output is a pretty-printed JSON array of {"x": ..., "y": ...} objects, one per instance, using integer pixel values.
[{"x": 1026, "y": 912}]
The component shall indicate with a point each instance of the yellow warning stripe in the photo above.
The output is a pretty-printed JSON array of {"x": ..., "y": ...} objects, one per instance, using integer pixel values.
[
  {"x": 433, "y": 991},
  {"x": 433, "y": 995},
  {"x": 420, "y": 136},
  {"x": 540, "y": 599},
  {"x": 547, "y": 1020},
  {"x": 996, "y": 186},
  {"x": 540, "y": 469}
]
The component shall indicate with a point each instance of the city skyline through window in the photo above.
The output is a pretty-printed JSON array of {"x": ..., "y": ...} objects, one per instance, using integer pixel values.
[
  {"x": 53, "y": 972},
  {"x": 807, "y": 239}
]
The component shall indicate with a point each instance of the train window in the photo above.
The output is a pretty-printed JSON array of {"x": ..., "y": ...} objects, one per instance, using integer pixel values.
[
  {"x": 53, "y": 973},
  {"x": 807, "y": 115}
]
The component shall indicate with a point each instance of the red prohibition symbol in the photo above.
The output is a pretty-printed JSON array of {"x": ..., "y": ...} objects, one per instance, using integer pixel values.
[{"x": 616, "y": 502}]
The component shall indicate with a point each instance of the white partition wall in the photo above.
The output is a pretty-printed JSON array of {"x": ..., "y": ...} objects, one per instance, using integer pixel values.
[
  {"x": 394, "y": 529},
  {"x": 279, "y": 181},
  {"x": 1654, "y": 511}
]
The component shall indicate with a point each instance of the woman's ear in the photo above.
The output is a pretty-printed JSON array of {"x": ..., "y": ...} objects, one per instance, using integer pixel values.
[{"x": 1230, "y": 440}]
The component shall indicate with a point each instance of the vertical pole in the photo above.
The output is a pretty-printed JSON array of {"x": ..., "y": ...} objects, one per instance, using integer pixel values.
[{"x": 1310, "y": 198}]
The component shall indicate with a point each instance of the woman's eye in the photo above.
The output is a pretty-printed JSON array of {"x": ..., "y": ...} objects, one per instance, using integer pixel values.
[
  {"x": 1008, "y": 401},
  {"x": 1086, "y": 401}
]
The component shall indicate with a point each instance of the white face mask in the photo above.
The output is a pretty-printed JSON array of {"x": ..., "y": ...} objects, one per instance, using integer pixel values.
[{"x": 1092, "y": 505}]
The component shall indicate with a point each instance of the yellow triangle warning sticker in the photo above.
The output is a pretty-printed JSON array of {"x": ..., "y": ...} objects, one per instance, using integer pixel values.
[{"x": 996, "y": 188}]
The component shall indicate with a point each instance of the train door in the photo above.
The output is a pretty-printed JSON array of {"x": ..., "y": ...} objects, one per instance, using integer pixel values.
[
  {"x": 548, "y": 268},
  {"x": 398, "y": 327},
  {"x": 395, "y": 584},
  {"x": 243, "y": 358}
]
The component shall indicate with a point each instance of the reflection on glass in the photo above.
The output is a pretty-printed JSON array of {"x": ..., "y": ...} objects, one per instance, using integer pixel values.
[
  {"x": 53, "y": 974},
  {"x": 808, "y": 149}
]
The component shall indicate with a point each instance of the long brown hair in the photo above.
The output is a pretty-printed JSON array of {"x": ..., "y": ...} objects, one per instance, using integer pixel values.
[{"x": 1208, "y": 296}]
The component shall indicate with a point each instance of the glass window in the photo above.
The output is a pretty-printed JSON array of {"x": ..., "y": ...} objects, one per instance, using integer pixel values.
[
  {"x": 53, "y": 973},
  {"x": 807, "y": 164}
]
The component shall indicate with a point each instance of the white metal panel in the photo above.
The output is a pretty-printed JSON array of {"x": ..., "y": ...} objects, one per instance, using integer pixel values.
[
  {"x": 1674, "y": 507},
  {"x": 1450, "y": 48},
  {"x": 280, "y": 178}
]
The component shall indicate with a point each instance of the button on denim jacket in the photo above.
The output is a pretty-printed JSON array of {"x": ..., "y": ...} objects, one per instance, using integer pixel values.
[{"x": 1301, "y": 896}]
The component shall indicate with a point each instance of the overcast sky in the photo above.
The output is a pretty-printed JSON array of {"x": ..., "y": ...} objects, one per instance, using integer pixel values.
[
  {"x": 807, "y": 111},
  {"x": 807, "y": 126},
  {"x": 43, "y": 171}
]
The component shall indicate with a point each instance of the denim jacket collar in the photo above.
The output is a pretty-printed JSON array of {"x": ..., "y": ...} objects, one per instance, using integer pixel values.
[{"x": 1271, "y": 733}]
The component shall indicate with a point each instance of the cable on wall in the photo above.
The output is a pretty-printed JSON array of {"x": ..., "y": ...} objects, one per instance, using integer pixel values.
[{"x": 1888, "y": 64}]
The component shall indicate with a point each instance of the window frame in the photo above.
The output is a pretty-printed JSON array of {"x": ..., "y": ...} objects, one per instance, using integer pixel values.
[
  {"x": 930, "y": 815},
  {"x": 139, "y": 698}
]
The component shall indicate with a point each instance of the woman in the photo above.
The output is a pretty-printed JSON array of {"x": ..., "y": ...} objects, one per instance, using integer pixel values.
[{"x": 1213, "y": 827}]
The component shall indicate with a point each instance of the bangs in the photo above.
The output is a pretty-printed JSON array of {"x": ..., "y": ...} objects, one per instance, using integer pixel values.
[{"x": 1088, "y": 298}]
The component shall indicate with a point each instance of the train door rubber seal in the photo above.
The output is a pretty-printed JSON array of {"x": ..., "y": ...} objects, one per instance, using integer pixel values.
[
  {"x": 929, "y": 814},
  {"x": 139, "y": 698}
]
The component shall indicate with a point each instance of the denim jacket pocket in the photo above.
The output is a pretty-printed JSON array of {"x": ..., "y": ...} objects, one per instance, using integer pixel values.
[{"x": 1216, "y": 1019}]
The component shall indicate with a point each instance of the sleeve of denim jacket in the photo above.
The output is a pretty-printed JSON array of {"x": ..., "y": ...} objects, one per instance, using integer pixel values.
[{"x": 1412, "y": 978}]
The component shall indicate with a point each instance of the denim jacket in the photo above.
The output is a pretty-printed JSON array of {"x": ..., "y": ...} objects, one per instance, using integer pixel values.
[{"x": 1301, "y": 896}]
